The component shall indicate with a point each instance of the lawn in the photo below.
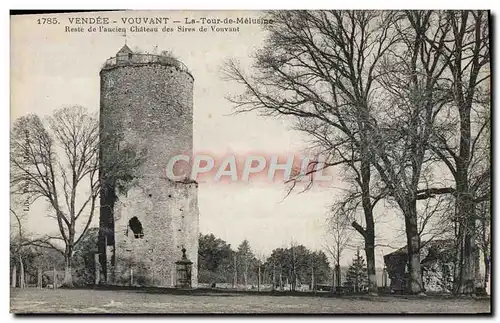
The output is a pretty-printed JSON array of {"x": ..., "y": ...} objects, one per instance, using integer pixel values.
[{"x": 85, "y": 301}]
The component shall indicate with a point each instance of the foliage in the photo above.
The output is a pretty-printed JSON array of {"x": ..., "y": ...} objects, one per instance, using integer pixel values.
[
  {"x": 216, "y": 264},
  {"x": 356, "y": 276},
  {"x": 246, "y": 264},
  {"x": 296, "y": 264},
  {"x": 83, "y": 258},
  {"x": 215, "y": 260}
]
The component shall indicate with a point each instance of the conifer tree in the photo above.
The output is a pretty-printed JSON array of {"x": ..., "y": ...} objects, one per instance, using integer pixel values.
[{"x": 357, "y": 276}]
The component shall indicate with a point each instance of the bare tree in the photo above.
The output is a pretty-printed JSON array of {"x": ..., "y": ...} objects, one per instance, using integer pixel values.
[
  {"x": 321, "y": 68},
  {"x": 484, "y": 238},
  {"x": 369, "y": 87},
  {"x": 340, "y": 233},
  {"x": 452, "y": 64},
  {"x": 364, "y": 193},
  {"x": 434, "y": 219},
  {"x": 58, "y": 161},
  {"x": 458, "y": 144},
  {"x": 412, "y": 91},
  {"x": 364, "y": 197}
]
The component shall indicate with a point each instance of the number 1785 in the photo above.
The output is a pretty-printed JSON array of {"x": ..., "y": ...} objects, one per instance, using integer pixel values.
[{"x": 47, "y": 21}]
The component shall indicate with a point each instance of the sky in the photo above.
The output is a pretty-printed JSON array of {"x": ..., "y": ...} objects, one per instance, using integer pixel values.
[{"x": 51, "y": 68}]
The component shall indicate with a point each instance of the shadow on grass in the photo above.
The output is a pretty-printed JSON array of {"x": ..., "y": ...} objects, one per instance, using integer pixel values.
[{"x": 219, "y": 292}]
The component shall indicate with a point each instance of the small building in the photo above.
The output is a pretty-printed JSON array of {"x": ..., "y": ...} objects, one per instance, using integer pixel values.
[{"x": 436, "y": 263}]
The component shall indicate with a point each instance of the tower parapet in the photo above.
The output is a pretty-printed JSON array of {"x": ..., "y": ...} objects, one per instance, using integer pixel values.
[{"x": 126, "y": 56}]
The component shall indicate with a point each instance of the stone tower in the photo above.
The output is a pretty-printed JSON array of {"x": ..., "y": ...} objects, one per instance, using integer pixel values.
[{"x": 147, "y": 101}]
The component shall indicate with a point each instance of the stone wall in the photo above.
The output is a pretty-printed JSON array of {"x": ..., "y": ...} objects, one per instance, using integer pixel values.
[{"x": 168, "y": 224}]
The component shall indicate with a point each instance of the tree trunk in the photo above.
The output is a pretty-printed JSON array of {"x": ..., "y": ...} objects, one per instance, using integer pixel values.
[
  {"x": 370, "y": 266},
  {"x": 368, "y": 233},
  {"x": 68, "y": 277},
  {"x": 413, "y": 245},
  {"x": 464, "y": 201},
  {"x": 333, "y": 279},
  {"x": 258, "y": 280},
  {"x": 14, "y": 276},
  {"x": 369, "y": 238},
  {"x": 466, "y": 212},
  {"x": 486, "y": 271},
  {"x": 281, "y": 280},
  {"x": 477, "y": 270},
  {"x": 469, "y": 266},
  {"x": 39, "y": 283},
  {"x": 54, "y": 277},
  {"x": 274, "y": 277},
  {"x": 485, "y": 247},
  {"x": 339, "y": 278},
  {"x": 97, "y": 270},
  {"x": 312, "y": 280},
  {"x": 459, "y": 256},
  {"x": 21, "y": 273},
  {"x": 235, "y": 275},
  {"x": 468, "y": 274}
]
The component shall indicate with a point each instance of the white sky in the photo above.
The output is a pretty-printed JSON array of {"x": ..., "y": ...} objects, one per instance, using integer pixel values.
[{"x": 51, "y": 68}]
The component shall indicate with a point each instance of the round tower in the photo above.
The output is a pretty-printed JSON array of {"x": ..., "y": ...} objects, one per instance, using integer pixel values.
[{"x": 147, "y": 102}]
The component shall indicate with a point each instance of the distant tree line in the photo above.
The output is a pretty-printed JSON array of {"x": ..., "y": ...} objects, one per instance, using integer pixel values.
[{"x": 295, "y": 265}]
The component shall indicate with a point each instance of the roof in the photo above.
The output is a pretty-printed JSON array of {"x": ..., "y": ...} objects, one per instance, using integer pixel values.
[
  {"x": 434, "y": 246},
  {"x": 124, "y": 50},
  {"x": 400, "y": 252}
]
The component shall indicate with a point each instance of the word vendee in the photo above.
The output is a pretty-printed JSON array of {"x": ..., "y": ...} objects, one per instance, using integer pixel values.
[{"x": 237, "y": 168}]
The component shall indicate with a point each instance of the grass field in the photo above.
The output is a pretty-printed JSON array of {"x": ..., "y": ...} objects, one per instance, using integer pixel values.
[{"x": 136, "y": 301}]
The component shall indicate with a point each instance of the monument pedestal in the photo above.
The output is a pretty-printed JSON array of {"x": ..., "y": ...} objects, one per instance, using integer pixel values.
[{"x": 183, "y": 269}]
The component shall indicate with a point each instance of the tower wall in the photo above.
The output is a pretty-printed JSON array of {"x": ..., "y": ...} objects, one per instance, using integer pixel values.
[{"x": 150, "y": 105}]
